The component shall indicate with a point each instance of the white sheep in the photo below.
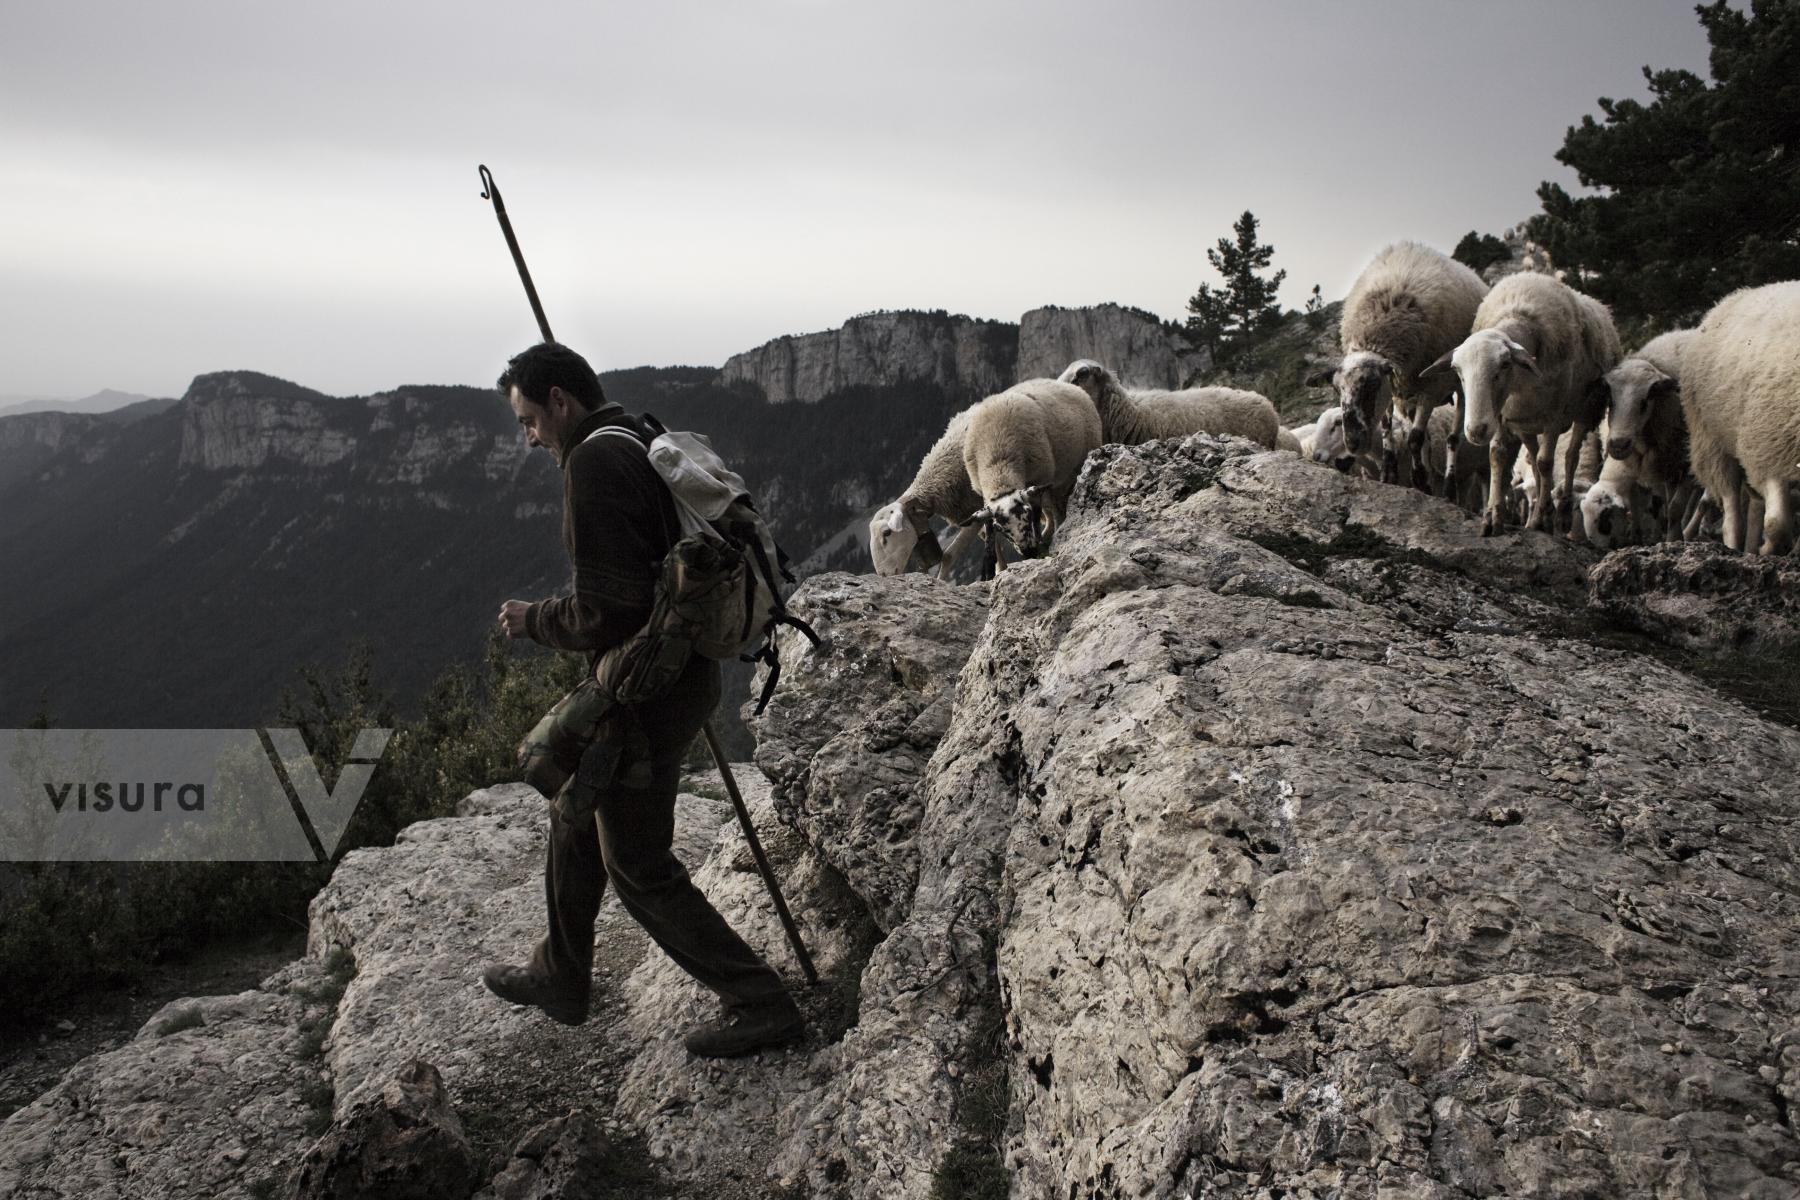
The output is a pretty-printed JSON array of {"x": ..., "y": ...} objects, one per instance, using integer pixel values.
[
  {"x": 1740, "y": 393},
  {"x": 1130, "y": 417},
  {"x": 1331, "y": 447},
  {"x": 1023, "y": 450},
  {"x": 1530, "y": 371},
  {"x": 1645, "y": 485},
  {"x": 1306, "y": 435},
  {"x": 941, "y": 488},
  {"x": 1410, "y": 305}
]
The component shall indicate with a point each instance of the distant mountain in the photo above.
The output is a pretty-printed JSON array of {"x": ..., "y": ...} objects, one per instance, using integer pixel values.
[{"x": 100, "y": 402}]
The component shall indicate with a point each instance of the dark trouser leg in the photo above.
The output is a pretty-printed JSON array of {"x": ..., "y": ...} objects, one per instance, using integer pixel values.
[
  {"x": 637, "y": 815},
  {"x": 637, "y": 827}
]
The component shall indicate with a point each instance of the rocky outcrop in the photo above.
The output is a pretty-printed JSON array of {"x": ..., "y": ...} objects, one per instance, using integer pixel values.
[
  {"x": 1701, "y": 596},
  {"x": 959, "y": 354},
  {"x": 1141, "y": 350},
  {"x": 404, "y": 1143},
  {"x": 215, "y": 1097},
  {"x": 1313, "y": 855}
]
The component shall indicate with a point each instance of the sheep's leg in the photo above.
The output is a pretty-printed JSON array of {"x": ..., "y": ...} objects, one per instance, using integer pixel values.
[
  {"x": 1731, "y": 503},
  {"x": 1493, "y": 521},
  {"x": 1540, "y": 454},
  {"x": 1682, "y": 506},
  {"x": 1563, "y": 518}
]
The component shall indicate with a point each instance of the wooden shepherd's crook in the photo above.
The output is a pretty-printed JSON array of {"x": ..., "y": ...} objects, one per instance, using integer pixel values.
[{"x": 490, "y": 191}]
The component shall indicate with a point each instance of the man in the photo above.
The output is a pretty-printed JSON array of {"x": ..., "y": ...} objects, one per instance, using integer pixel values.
[{"x": 618, "y": 523}]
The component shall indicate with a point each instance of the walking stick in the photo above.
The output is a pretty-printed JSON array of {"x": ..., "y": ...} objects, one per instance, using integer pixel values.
[{"x": 490, "y": 191}]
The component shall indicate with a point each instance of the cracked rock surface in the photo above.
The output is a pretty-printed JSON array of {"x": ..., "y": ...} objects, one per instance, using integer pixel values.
[
  {"x": 1702, "y": 596},
  {"x": 1317, "y": 858}
]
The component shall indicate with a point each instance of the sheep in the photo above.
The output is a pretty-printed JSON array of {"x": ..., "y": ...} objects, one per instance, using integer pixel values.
[
  {"x": 1330, "y": 447},
  {"x": 1287, "y": 439},
  {"x": 1128, "y": 418},
  {"x": 941, "y": 488},
  {"x": 1645, "y": 481},
  {"x": 1409, "y": 305},
  {"x": 1740, "y": 393},
  {"x": 1530, "y": 370},
  {"x": 1023, "y": 449},
  {"x": 1305, "y": 435}
]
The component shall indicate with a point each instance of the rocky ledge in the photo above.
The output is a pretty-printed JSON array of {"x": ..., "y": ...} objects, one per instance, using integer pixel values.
[{"x": 1276, "y": 836}]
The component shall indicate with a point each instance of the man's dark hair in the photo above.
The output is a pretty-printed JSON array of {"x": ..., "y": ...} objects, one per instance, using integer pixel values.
[{"x": 551, "y": 364}]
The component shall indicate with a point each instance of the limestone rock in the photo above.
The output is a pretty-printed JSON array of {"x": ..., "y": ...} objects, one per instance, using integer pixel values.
[
  {"x": 213, "y": 1098},
  {"x": 424, "y": 917},
  {"x": 1701, "y": 595},
  {"x": 563, "y": 1159},
  {"x": 401, "y": 1144},
  {"x": 1140, "y": 349},
  {"x": 846, "y": 743},
  {"x": 958, "y": 353}
]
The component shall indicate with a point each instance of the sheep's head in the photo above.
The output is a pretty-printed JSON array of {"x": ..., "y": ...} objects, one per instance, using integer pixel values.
[
  {"x": 1605, "y": 515},
  {"x": 1087, "y": 375},
  {"x": 1488, "y": 366},
  {"x": 896, "y": 532},
  {"x": 1634, "y": 390},
  {"x": 1364, "y": 382},
  {"x": 1328, "y": 441},
  {"x": 1023, "y": 517}
]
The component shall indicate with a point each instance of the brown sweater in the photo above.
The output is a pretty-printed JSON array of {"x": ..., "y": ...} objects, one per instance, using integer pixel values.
[{"x": 618, "y": 523}]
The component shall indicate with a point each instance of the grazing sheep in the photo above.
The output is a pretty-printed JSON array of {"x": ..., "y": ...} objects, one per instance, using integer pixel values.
[
  {"x": 1022, "y": 452},
  {"x": 941, "y": 488},
  {"x": 1740, "y": 393},
  {"x": 1128, "y": 418},
  {"x": 1410, "y": 305},
  {"x": 1645, "y": 481},
  {"x": 1305, "y": 435},
  {"x": 1330, "y": 447},
  {"x": 1531, "y": 370}
]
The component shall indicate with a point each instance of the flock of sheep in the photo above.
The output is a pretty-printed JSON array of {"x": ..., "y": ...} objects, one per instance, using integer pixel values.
[{"x": 1441, "y": 381}]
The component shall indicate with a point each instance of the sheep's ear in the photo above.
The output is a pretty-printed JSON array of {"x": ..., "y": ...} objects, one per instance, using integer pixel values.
[
  {"x": 1036, "y": 490},
  {"x": 1520, "y": 358},
  {"x": 1321, "y": 377},
  {"x": 1443, "y": 361},
  {"x": 1665, "y": 389},
  {"x": 980, "y": 516}
]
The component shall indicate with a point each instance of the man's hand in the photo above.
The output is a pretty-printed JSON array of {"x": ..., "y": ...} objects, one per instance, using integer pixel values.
[{"x": 512, "y": 618}]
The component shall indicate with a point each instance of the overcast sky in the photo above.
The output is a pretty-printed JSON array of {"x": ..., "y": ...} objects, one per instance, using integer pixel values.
[{"x": 195, "y": 186}]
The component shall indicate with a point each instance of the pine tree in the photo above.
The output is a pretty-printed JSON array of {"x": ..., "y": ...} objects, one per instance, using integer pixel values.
[
  {"x": 1699, "y": 190},
  {"x": 1229, "y": 321},
  {"x": 1478, "y": 251}
]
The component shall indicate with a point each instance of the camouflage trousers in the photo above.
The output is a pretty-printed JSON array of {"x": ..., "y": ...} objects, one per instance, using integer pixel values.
[{"x": 586, "y": 743}]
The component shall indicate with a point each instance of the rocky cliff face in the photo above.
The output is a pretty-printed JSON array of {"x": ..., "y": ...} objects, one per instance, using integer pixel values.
[
  {"x": 955, "y": 353},
  {"x": 1276, "y": 836},
  {"x": 963, "y": 356},
  {"x": 1141, "y": 350}
]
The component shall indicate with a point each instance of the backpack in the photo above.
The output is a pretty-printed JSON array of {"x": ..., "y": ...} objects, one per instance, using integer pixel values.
[{"x": 722, "y": 588}]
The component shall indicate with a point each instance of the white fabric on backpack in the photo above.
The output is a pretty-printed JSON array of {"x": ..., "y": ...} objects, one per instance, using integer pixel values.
[{"x": 702, "y": 485}]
